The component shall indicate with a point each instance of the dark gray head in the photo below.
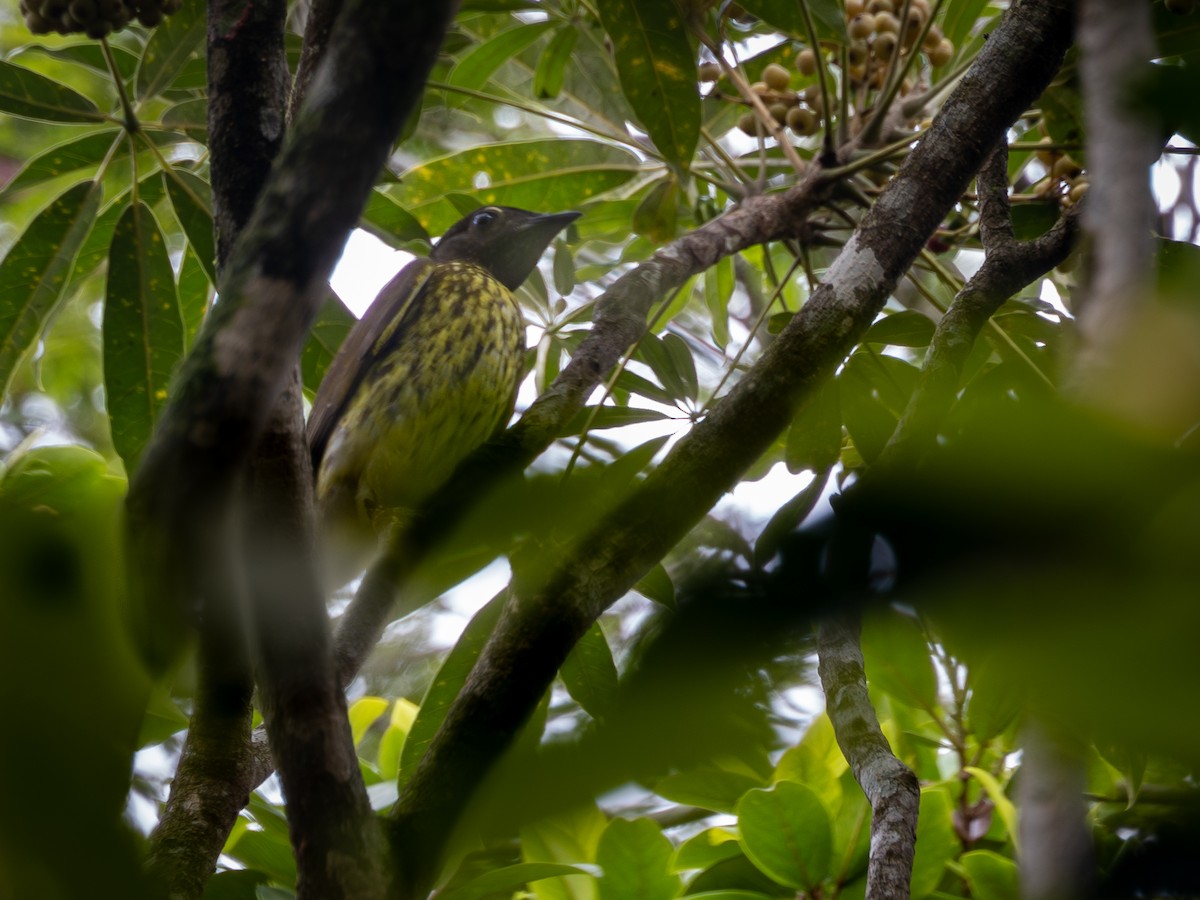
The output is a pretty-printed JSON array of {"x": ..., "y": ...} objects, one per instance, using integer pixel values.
[{"x": 505, "y": 240}]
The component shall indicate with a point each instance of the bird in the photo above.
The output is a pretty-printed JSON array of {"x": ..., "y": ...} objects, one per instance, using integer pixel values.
[{"x": 425, "y": 377}]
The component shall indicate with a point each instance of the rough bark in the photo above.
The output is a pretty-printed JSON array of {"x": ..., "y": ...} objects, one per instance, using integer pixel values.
[
  {"x": 247, "y": 78},
  {"x": 540, "y": 625},
  {"x": 891, "y": 787},
  {"x": 335, "y": 836}
]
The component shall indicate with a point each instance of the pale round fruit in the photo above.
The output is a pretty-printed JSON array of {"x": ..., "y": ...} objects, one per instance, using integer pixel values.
[
  {"x": 776, "y": 77},
  {"x": 942, "y": 54},
  {"x": 802, "y": 121},
  {"x": 806, "y": 62},
  {"x": 861, "y": 26}
]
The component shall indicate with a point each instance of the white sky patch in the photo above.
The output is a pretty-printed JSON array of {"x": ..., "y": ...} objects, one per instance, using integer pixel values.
[{"x": 367, "y": 264}]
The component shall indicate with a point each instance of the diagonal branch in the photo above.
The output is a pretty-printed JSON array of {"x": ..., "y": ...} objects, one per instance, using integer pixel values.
[{"x": 542, "y": 621}]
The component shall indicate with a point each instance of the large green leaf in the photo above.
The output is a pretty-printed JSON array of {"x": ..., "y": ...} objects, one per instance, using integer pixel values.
[
  {"x": 786, "y": 833},
  {"x": 30, "y": 95},
  {"x": 173, "y": 44},
  {"x": 37, "y": 269},
  {"x": 545, "y": 175},
  {"x": 636, "y": 858},
  {"x": 657, "y": 68},
  {"x": 195, "y": 295},
  {"x": 143, "y": 330},
  {"x": 446, "y": 685},
  {"x": 191, "y": 198}
]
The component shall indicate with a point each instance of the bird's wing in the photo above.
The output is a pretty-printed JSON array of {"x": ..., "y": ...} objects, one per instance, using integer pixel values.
[{"x": 360, "y": 351}]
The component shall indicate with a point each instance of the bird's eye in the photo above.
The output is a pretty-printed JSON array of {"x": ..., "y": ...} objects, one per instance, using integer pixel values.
[{"x": 485, "y": 218}]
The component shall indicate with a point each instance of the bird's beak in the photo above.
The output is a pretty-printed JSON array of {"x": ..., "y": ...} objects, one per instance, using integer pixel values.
[{"x": 548, "y": 224}]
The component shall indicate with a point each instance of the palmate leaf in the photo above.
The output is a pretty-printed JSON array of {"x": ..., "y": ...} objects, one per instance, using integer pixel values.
[
  {"x": 657, "y": 69},
  {"x": 143, "y": 330},
  {"x": 30, "y": 95},
  {"x": 544, "y": 175},
  {"x": 36, "y": 270}
]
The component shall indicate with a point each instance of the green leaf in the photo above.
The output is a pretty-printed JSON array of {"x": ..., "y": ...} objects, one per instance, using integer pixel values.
[
  {"x": 656, "y": 585},
  {"x": 597, "y": 418},
  {"x": 672, "y": 362},
  {"x": 960, "y": 18},
  {"x": 1062, "y": 110},
  {"x": 873, "y": 390},
  {"x": 787, "y": 15},
  {"x": 1034, "y": 219},
  {"x": 391, "y": 222},
  {"x": 816, "y": 761},
  {"x": 709, "y": 788},
  {"x": 334, "y": 321},
  {"x": 505, "y": 881},
  {"x": 906, "y": 328},
  {"x": 657, "y": 69},
  {"x": 706, "y": 848},
  {"x": 991, "y": 876},
  {"x": 718, "y": 288},
  {"x": 936, "y": 842},
  {"x": 476, "y": 67},
  {"x": 786, "y": 833},
  {"x": 552, "y": 65},
  {"x": 567, "y": 837},
  {"x": 1005, "y": 808},
  {"x": 189, "y": 117},
  {"x": 544, "y": 175},
  {"x": 88, "y": 54},
  {"x": 172, "y": 45},
  {"x": 191, "y": 198},
  {"x": 363, "y": 713},
  {"x": 657, "y": 215},
  {"x": 788, "y": 517},
  {"x": 391, "y": 744},
  {"x": 70, "y": 156},
  {"x": 564, "y": 268},
  {"x": 36, "y": 270},
  {"x": 195, "y": 295},
  {"x": 897, "y": 660},
  {"x": 143, "y": 330},
  {"x": 30, "y": 95},
  {"x": 636, "y": 858},
  {"x": 589, "y": 673},
  {"x": 995, "y": 700},
  {"x": 446, "y": 685},
  {"x": 814, "y": 440}
]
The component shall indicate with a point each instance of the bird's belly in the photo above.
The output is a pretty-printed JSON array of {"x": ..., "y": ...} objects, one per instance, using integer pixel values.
[{"x": 449, "y": 387}]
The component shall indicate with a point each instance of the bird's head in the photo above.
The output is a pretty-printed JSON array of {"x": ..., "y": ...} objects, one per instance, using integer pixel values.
[{"x": 505, "y": 240}]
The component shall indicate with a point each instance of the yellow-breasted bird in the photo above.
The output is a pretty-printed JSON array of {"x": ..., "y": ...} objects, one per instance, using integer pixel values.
[{"x": 428, "y": 374}]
